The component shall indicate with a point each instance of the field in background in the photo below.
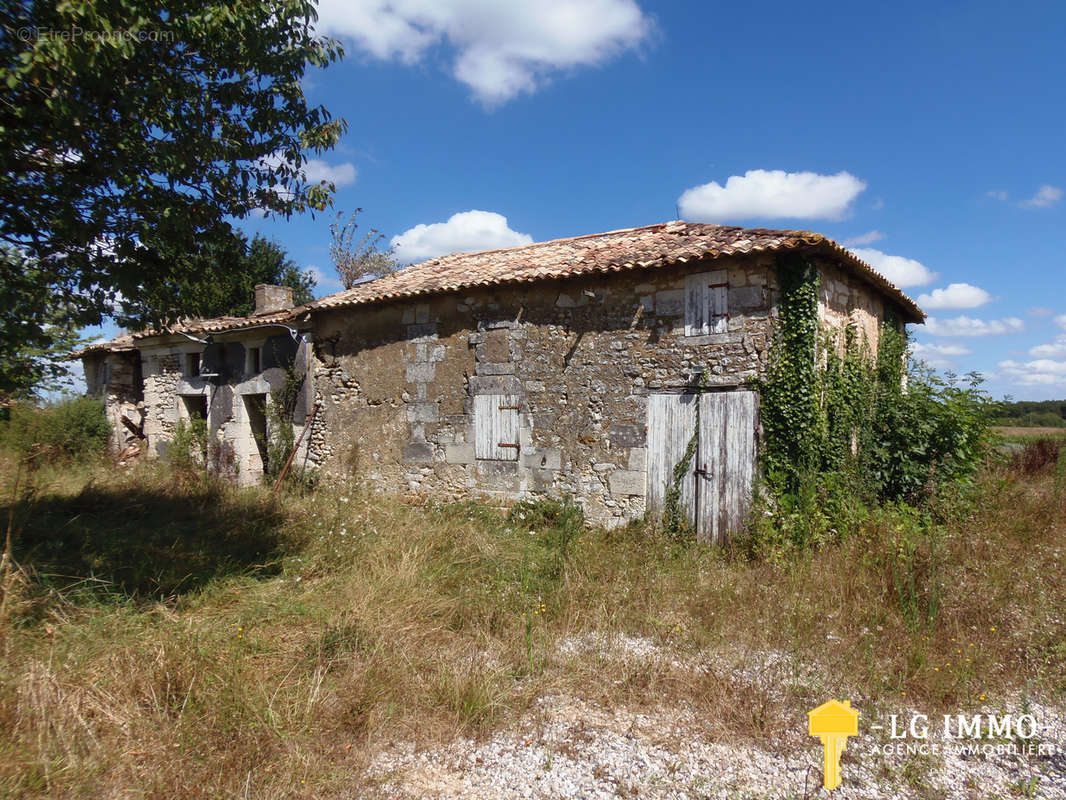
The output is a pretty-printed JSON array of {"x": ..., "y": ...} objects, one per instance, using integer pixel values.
[
  {"x": 169, "y": 636},
  {"x": 1015, "y": 432}
]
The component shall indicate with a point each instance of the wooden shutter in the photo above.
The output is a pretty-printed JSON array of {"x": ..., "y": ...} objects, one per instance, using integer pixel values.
[
  {"x": 706, "y": 304},
  {"x": 718, "y": 308},
  {"x": 496, "y": 427},
  {"x": 696, "y": 322}
]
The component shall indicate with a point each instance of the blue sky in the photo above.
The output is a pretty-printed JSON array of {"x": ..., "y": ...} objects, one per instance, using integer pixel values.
[{"x": 932, "y": 133}]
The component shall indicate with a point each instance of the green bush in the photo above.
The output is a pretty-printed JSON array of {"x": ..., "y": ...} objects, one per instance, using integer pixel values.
[
  {"x": 188, "y": 447},
  {"x": 70, "y": 429},
  {"x": 846, "y": 428}
]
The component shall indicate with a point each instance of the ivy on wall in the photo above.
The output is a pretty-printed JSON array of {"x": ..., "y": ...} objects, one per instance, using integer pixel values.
[
  {"x": 788, "y": 393},
  {"x": 836, "y": 414}
]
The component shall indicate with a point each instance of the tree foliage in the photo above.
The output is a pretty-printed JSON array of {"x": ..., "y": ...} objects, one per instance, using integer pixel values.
[
  {"x": 238, "y": 266},
  {"x": 358, "y": 260},
  {"x": 135, "y": 130}
]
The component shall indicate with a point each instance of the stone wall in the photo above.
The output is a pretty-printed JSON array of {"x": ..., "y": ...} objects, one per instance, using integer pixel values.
[
  {"x": 229, "y": 397},
  {"x": 400, "y": 382},
  {"x": 561, "y": 371},
  {"x": 116, "y": 377},
  {"x": 846, "y": 300}
]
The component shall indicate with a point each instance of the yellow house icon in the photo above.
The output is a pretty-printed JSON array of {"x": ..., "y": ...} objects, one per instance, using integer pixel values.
[{"x": 833, "y": 722}]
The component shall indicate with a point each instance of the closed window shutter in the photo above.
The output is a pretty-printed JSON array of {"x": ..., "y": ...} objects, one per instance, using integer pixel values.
[
  {"x": 718, "y": 303},
  {"x": 706, "y": 304},
  {"x": 696, "y": 305},
  {"x": 496, "y": 427}
]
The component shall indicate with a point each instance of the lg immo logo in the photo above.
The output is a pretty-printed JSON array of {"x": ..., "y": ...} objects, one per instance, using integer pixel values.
[
  {"x": 962, "y": 734},
  {"x": 833, "y": 723}
]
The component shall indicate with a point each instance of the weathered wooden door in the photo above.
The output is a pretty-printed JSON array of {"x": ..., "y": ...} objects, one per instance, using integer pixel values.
[{"x": 718, "y": 430}]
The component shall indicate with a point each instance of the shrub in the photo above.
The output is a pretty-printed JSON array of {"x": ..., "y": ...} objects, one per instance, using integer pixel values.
[
  {"x": 70, "y": 429},
  {"x": 1039, "y": 455},
  {"x": 188, "y": 447}
]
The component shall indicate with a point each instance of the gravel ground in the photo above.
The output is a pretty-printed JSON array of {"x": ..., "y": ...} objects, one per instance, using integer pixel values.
[{"x": 568, "y": 748}]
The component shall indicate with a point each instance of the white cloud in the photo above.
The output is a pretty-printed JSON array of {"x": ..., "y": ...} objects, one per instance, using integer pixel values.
[
  {"x": 901, "y": 271},
  {"x": 1055, "y": 349},
  {"x": 942, "y": 349},
  {"x": 315, "y": 169},
  {"x": 761, "y": 193},
  {"x": 1041, "y": 372},
  {"x": 968, "y": 326},
  {"x": 865, "y": 238},
  {"x": 340, "y": 174},
  {"x": 501, "y": 48},
  {"x": 1046, "y": 195},
  {"x": 957, "y": 295},
  {"x": 939, "y": 355},
  {"x": 465, "y": 232},
  {"x": 997, "y": 194},
  {"x": 1040, "y": 311},
  {"x": 1060, "y": 320}
]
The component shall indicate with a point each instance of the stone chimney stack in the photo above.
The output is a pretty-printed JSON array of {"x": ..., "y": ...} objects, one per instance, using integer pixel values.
[{"x": 269, "y": 299}]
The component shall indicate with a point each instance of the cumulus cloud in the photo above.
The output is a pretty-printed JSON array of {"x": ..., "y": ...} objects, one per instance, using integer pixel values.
[
  {"x": 465, "y": 232},
  {"x": 957, "y": 295},
  {"x": 1055, "y": 349},
  {"x": 339, "y": 174},
  {"x": 761, "y": 193},
  {"x": 939, "y": 355},
  {"x": 942, "y": 349},
  {"x": 969, "y": 326},
  {"x": 1060, "y": 320},
  {"x": 1041, "y": 372},
  {"x": 901, "y": 271},
  {"x": 315, "y": 169},
  {"x": 1046, "y": 195},
  {"x": 501, "y": 49},
  {"x": 865, "y": 238}
]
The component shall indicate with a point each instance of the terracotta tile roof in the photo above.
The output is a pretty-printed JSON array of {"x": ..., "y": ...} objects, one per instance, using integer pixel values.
[
  {"x": 122, "y": 342},
  {"x": 194, "y": 327},
  {"x": 616, "y": 251},
  {"x": 219, "y": 324}
]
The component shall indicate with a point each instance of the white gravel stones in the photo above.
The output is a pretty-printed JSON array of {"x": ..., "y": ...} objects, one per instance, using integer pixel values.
[{"x": 568, "y": 748}]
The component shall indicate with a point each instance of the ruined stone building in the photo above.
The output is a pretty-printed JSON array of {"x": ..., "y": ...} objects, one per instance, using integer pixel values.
[{"x": 576, "y": 367}]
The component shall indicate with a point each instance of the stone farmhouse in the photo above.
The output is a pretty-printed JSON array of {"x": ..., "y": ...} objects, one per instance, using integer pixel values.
[{"x": 576, "y": 367}]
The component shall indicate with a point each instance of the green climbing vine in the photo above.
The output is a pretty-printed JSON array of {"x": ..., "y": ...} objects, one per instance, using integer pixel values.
[
  {"x": 842, "y": 420},
  {"x": 675, "y": 523},
  {"x": 789, "y": 392}
]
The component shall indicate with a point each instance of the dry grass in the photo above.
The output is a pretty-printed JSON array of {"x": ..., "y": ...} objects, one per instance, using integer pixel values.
[
  {"x": 314, "y": 631},
  {"x": 1021, "y": 432}
]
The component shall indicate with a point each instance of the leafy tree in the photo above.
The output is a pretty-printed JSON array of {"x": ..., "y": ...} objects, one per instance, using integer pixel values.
[
  {"x": 236, "y": 266},
  {"x": 42, "y": 333},
  {"x": 358, "y": 260},
  {"x": 132, "y": 130}
]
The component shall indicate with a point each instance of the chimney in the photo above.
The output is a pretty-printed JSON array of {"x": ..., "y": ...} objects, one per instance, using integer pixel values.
[{"x": 269, "y": 299}]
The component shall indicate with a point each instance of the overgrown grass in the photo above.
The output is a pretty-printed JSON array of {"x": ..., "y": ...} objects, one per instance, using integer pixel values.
[{"x": 209, "y": 641}]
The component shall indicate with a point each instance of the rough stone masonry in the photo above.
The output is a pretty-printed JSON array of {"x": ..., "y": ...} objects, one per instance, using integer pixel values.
[{"x": 511, "y": 373}]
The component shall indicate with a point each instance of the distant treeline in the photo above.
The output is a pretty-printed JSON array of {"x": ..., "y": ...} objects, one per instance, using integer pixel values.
[{"x": 1031, "y": 413}]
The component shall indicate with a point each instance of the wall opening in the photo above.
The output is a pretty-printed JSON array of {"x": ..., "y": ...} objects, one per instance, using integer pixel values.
[
  {"x": 195, "y": 406},
  {"x": 254, "y": 362},
  {"x": 255, "y": 407},
  {"x": 192, "y": 365}
]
